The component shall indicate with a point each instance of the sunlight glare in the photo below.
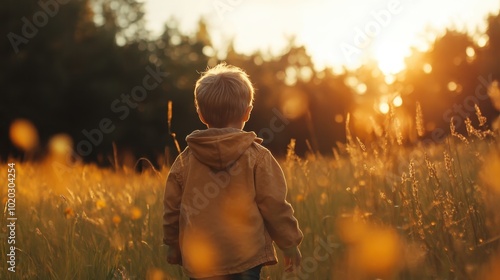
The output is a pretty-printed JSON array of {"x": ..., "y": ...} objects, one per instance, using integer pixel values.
[
  {"x": 390, "y": 79},
  {"x": 390, "y": 58}
]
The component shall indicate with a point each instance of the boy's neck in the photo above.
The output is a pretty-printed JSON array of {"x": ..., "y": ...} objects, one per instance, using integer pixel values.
[{"x": 239, "y": 126}]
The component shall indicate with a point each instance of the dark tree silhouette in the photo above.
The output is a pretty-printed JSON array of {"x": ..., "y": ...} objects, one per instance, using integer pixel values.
[{"x": 67, "y": 68}]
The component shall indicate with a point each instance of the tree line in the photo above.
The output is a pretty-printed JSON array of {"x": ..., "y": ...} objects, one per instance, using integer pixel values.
[{"x": 91, "y": 70}]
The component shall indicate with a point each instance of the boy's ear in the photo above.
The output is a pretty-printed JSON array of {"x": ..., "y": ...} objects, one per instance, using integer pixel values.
[{"x": 246, "y": 117}]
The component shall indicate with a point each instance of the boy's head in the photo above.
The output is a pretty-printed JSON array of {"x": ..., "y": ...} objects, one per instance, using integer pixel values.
[{"x": 223, "y": 96}]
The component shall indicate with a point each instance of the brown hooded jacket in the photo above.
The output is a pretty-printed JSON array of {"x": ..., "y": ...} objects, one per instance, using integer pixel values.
[{"x": 225, "y": 202}]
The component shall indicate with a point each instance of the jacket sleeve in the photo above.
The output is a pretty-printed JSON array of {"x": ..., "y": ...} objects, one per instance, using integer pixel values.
[
  {"x": 270, "y": 188},
  {"x": 171, "y": 207}
]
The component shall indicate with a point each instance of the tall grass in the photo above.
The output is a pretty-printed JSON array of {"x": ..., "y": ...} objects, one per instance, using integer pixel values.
[{"x": 385, "y": 210}]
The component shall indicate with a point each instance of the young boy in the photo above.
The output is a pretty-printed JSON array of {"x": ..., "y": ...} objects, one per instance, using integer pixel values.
[{"x": 225, "y": 197}]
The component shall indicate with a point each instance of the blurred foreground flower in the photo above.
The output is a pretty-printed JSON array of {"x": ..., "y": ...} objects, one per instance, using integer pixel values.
[
  {"x": 379, "y": 252},
  {"x": 199, "y": 253},
  {"x": 100, "y": 204},
  {"x": 374, "y": 251},
  {"x": 116, "y": 219},
  {"x": 69, "y": 213},
  {"x": 155, "y": 274},
  {"x": 23, "y": 135},
  {"x": 135, "y": 213},
  {"x": 299, "y": 198}
]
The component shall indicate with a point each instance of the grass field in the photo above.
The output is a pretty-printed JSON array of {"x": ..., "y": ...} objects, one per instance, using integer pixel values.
[{"x": 377, "y": 210}]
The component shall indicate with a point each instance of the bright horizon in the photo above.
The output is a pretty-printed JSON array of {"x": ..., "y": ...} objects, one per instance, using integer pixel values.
[{"x": 335, "y": 33}]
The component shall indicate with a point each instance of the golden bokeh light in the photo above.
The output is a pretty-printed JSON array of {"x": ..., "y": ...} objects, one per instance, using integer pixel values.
[
  {"x": 375, "y": 251},
  {"x": 363, "y": 121},
  {"x": 23, "y": 134},
  {"x": 384, "y": 107},
  {"x": 339, "y": 118},
  {"x": 60, "y": 145},
  {"x": 197, "y": 253},
  {"x": 291, "y": 76},
  {"x": 351, "y": 229},
  {"x": 452, "y": 86},
  {"x": 427, "y": 68},
  {"x": 379, "y": 252},
  {"x": 483, "y": 40},
  {"x": 294, "y": 103},
  {"x": 470, "y": 52},
  {"x": 351, "y": 81},
  {"x": 397, "y": 101},
  {"x": 299, "y": 198},
  {"x": 361, "y": 88}
]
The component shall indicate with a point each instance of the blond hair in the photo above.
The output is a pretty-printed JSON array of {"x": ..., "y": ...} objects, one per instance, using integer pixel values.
[{"x": 223, "y": 94}]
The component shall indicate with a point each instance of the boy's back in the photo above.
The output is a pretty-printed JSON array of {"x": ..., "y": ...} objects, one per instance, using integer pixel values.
[{"x": 225, "y": 204}]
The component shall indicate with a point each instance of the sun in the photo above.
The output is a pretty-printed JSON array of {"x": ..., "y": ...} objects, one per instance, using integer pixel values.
[{"x": 390, "y": 57}]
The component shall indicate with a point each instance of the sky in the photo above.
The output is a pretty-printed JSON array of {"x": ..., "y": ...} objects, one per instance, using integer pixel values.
[{"x": 335, "y": 33}]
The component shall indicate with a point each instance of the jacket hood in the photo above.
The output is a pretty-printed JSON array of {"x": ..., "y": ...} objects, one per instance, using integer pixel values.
[{"x": 220, "y": 147}]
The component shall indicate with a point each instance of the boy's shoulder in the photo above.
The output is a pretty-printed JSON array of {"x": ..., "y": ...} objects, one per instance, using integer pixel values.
[
  {"x": 180, "y": 161},
  {"x": 255, "y": 150},
  {"x": 260, "y": 151}
]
